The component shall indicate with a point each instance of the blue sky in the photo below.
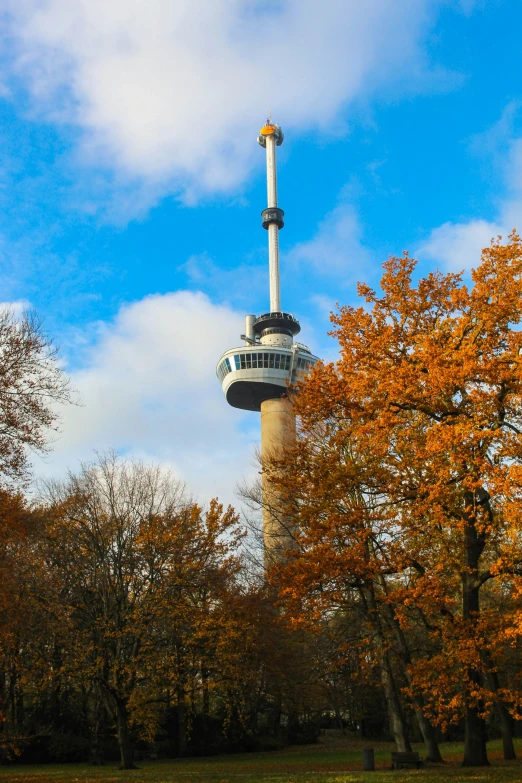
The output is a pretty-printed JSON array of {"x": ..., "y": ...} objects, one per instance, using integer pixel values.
[{"x": 131, "y": 186}]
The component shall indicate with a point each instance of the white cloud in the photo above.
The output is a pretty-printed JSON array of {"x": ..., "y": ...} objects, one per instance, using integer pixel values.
[
  {"x": 336, "y": 248},
  {"x": 170, "y": 91},
  {"x": 240, "y": 284},
  {"x": 149, "y": 388},
  {"x": 17, "y": 306},
  {"x": 457, "y": 246}
]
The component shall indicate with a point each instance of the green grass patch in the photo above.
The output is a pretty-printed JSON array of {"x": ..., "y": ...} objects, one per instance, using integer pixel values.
[{"x": 331, "y": 761}]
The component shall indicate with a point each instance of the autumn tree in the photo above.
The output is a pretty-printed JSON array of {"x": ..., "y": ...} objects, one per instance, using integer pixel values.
[
  {"x": 31, "y": 385},
  {"x": 130, "y": 554},
  {"x": 345, "y": 592},
  {"x": 194, "y": 628},
  {"x": 16, "y": 528},
  {"x": 408, "y": 475},
  {"x": 339, "y": 582}
]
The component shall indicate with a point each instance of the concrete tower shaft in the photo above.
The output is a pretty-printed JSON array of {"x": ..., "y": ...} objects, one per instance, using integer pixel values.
[{"x": 278, "y": 436}]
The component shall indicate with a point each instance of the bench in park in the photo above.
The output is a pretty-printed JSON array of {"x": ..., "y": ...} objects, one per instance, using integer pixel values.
[{"x": 401, "y": 760}]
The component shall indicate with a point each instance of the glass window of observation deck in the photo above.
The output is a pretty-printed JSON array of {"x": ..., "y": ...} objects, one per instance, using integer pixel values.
[{"x": 257, "y": 361}]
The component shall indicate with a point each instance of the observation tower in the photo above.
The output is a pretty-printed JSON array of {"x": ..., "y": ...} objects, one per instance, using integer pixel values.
[{"x": 255, "y": 377}]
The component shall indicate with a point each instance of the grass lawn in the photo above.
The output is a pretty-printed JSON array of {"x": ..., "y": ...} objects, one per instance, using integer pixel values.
[{"x": 331, "y": 761}]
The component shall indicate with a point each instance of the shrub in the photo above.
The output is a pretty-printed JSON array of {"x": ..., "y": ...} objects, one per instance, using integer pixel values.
[{"x": 68, "y": 747}]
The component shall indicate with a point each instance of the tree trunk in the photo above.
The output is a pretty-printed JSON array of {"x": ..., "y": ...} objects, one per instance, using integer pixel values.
[
  {"x": 12, "y": 696},
  {"x": 475, "y": 749},
  {"x": 429, "y": 735},
  {"x": 427, "y": 730},
  {"x": 397, "y": 724},
  {"x": 503, "y": 717},
  {"x": 205, "y": 691},
  {"x": 96, "y": 741},
  {"x": 393, "y": 704},
  {"x": 124, "y": 738},
  {"x": 501, "y": 712},
  {"x": 505, "y": 731},
  {"x": 182, "y": 727},
  {"x": 339, "y": 720}
]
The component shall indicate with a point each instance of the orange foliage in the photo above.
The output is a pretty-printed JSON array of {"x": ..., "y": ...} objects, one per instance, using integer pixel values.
[
  {"x": 137, "y": 578},
  {"x": 407, "y": 478}
]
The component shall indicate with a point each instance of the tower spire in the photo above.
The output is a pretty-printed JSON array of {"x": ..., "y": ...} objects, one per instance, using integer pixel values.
[{"x": 270, "y": 137}]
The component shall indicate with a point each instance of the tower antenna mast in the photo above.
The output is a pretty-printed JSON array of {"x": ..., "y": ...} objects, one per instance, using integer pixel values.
[{"x": 270, "y": 137}]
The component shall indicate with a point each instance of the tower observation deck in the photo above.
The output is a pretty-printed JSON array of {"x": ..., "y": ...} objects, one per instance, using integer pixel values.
[{"x": 256, "y": 376}]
